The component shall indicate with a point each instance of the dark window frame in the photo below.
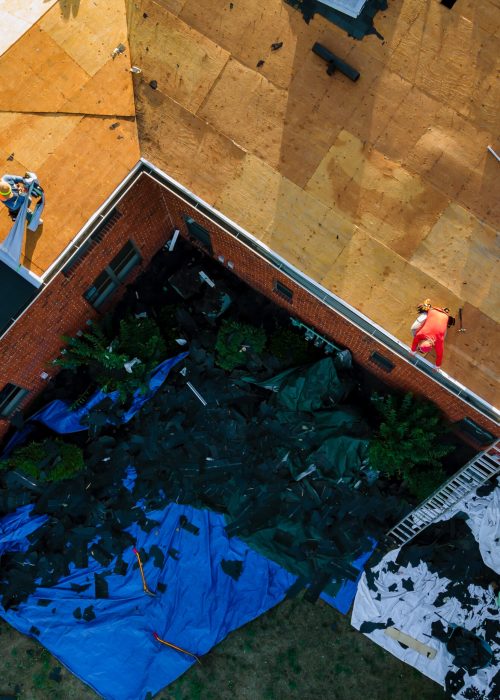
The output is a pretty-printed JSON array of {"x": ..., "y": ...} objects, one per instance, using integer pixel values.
[
  {"x": 382, "y": 361},
  {"x": 200, "y": 234},
  {"x": 113, "y": 275},
  {"x": 10, "y": 397},
  {"x": 283, "y": 291}
]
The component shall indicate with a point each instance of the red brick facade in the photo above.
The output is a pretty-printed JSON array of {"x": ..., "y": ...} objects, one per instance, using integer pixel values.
[{"x": 149, "y": 214}]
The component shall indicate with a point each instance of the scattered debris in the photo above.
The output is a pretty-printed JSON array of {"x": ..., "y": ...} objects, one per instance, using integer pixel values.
[
  {"x": 136, "y": 70},
  {"x": 186, "y": 525},
  {"x": 260, "y": 63},
  {"x": 153, "y": 84},
  {"x": 11, "y": 157},
  {"x": 232, "y": 568},
  {"x": 119, "y": 49},
  {"x": 493, "y": 153},
  {"x": 277, "y": 45},
  {"x": 334, "y": 62},
  {"x": 196, "y": 393},
  {"x": 114, "y": 125}
]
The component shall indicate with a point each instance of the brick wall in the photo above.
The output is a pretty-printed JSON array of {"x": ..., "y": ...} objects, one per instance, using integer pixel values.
[
  {"x": 29, "y": 346},
  {"x": 149, "y": 214}
]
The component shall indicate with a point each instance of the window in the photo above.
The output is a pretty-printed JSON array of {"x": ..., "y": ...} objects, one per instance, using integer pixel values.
[
  {"x": 113, "y": 275},
  {"x": 474, "y": 431},
  {"x": 201, "y": 234},
  {"x": 382, "y": 362},
  {"x": 97, "y": 237},
  {"x": 283, "y": 291},
  {"x": 10, "y": 398}
]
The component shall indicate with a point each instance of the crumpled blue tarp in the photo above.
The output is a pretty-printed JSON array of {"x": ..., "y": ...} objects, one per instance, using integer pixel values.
[
  {"x": 344, "y": 597},
  {"x": 116, "y": 652},
  {"x": 15, "y": 528},
  {"x": 58, "y": 416}
]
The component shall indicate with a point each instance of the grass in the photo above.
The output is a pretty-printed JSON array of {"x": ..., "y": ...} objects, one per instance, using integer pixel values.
[{"x": 296, "y": 651}]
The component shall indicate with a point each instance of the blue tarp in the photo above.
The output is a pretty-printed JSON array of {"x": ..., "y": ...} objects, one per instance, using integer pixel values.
[
  {"x": 58, "y": 416},
  {"x": 344, "y": 598},
  {"x": 116, "y": 652},
  {"x": 15, "y": 528}
]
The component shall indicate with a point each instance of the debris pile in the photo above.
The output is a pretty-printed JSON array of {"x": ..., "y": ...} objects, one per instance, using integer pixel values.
[
  {"x": 282, "y": 456},
  {"x": 440, "y": 589}
]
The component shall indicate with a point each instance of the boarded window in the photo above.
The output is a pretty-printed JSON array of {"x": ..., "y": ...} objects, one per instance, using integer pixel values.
[{"x": 199, "y": 233}]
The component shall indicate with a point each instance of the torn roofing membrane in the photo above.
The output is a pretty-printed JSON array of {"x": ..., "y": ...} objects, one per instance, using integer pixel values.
[{"x": 438, "y": 589}]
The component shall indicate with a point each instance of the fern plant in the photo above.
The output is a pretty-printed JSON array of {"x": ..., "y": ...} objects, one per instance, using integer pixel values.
[
  {"x": 408, "y": 442},
  {"x": 236, "y": 342},
  {"x": 122, "y": 364}
]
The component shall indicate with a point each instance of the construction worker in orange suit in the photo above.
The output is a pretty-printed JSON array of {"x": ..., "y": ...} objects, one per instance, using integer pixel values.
[{"x": 431, "y": 333}]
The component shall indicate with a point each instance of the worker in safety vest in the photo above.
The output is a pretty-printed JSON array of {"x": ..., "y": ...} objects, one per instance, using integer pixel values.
[
  {"x": 13, "y": 193},
  {"x": 431, "y": 333}
]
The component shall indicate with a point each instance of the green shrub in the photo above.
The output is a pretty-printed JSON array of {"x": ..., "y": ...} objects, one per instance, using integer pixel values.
[
  {"x": 236, "y": 342},
  {"x": 106, "y": 359},
  {"x": 408, "y": 442},
  {"x": 141, "y": 337},
  {"x": 47, "y": 461},
  {"x": 422, "y": 482}
]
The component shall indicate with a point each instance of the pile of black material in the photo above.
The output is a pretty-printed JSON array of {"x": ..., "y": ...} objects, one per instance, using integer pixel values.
[
  {"x": 294, "y": 483},
  {"x": 468, "y": 650},
  {"x": 449, "y": 549}
]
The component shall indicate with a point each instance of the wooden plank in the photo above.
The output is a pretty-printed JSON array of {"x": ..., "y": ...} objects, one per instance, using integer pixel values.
[
  {"x": 396, "y": 206},
  {"x": 184, "y": 62},
  {"x": 87, "y": 33},
  {"x": 37, "y": 75},
  {"x": 17, "y": 16},
  {"x": 186, "y": 147},
  {"x": 403, "y": 638},
  {"x": 32, "y": 138},
  {"x": 463, "y": 253},
  {"x": 250, "y": 197},
  {"x": 75, "y": 187},
  {"x": 110, "y": 91},
  {"x": 248, "y": 109}
]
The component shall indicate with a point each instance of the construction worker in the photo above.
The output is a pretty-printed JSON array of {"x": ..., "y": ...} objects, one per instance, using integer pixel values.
[
  {"x": 431, "y": 331},
  {"x": 13, "y": 193}
]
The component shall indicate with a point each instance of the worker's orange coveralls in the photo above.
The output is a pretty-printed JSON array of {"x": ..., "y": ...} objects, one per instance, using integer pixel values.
[{"x": 434, "y": 328}]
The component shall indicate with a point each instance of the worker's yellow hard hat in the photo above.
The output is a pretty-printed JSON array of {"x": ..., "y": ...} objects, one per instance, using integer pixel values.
[{"x": 5, "y": 190}]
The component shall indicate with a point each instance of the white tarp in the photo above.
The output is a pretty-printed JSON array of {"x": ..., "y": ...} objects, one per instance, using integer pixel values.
[{"x": 414, "y": 611}]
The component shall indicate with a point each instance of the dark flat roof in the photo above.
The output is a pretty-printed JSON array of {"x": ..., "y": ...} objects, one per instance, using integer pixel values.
[{"x": 15, "y": 294}]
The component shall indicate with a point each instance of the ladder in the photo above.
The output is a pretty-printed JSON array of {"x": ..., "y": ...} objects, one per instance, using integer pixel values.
[{"x": 484, "y": 466}]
